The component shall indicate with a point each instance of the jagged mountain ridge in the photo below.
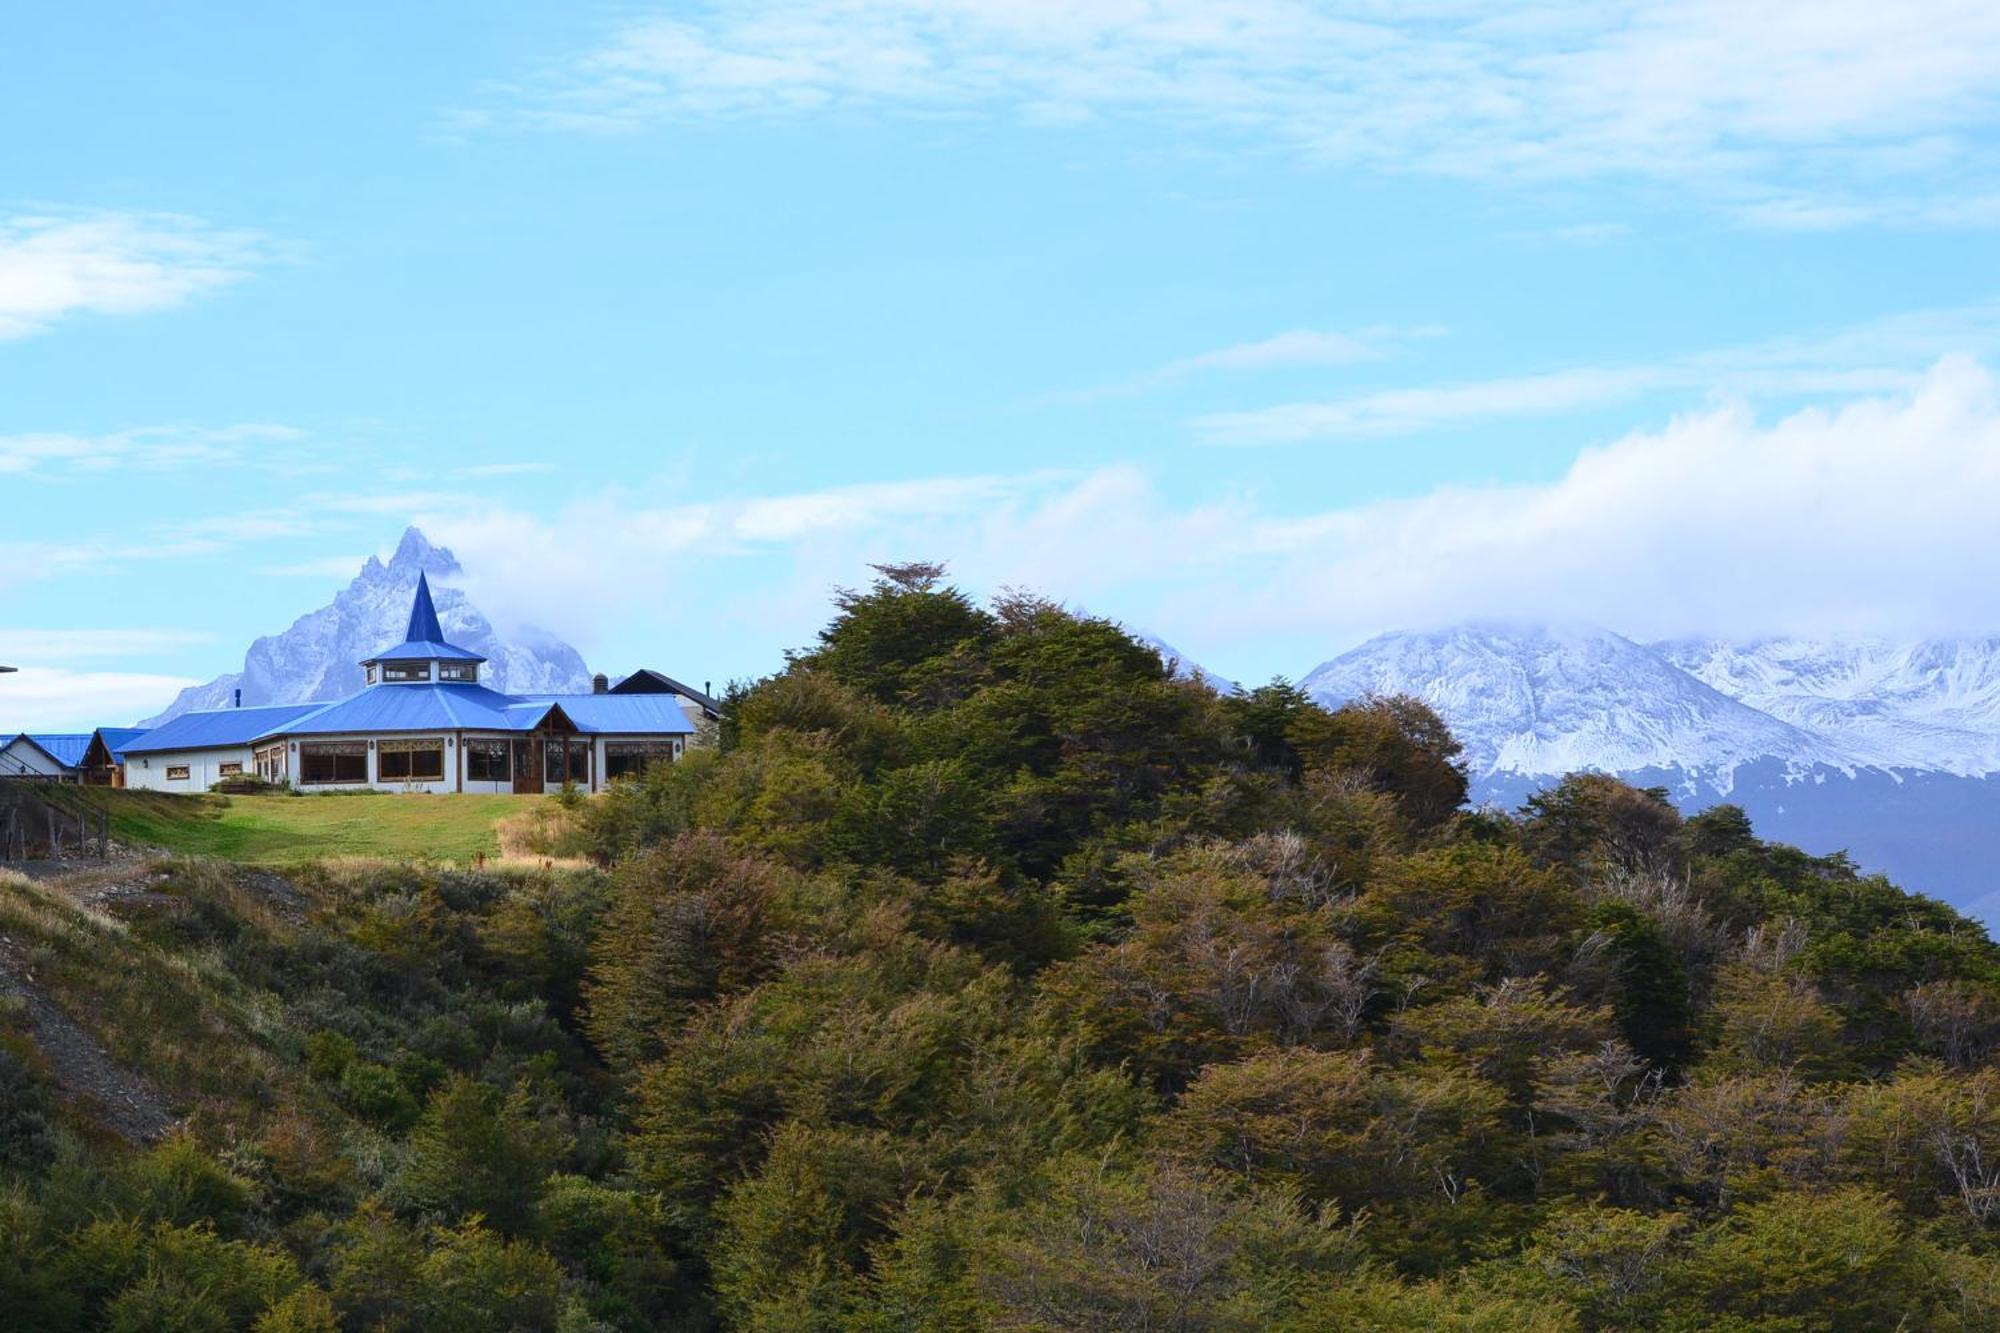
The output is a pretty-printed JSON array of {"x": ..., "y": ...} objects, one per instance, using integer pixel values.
[
  {"x": 1929, "y": 706},
  {"x": 1537, "y": 701},
  {"x": 319, "y": 656},
  {"x": 1889, "y": 751},
  {"x": 1543, "y": 701}
]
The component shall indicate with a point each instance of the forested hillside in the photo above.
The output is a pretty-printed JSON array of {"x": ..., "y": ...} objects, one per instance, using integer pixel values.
[{"x": 984, "y": 975}]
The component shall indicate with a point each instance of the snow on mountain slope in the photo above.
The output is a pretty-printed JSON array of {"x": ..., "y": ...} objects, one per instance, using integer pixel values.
[
  {"x": 1184, "y": 666},
  {"x": 1537, "y": 701},
  {"x": 319, "y": 656},
  {"x": 1931, "y": 706}
]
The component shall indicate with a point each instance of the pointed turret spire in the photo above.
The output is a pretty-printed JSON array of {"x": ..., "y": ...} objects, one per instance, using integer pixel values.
[
  {"x": 424, "y": 627},
  {"x": 425, "y": 642}
]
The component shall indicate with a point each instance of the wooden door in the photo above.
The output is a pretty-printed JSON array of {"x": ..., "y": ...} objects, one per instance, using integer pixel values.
[{"x": 528, "y": 767}]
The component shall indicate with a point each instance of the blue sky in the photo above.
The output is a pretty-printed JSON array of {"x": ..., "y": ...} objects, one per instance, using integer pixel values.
[{"x": 1264, "y": 325}]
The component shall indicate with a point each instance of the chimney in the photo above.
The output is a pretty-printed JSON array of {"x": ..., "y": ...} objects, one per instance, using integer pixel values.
[
  {"x": 708, "y": 688},
  {"x": 600, "y": 684},
  {"x": 237, "y": 701}
]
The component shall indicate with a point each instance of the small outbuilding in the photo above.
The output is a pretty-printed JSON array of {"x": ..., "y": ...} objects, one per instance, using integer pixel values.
[{"x": 47, "y": 756}]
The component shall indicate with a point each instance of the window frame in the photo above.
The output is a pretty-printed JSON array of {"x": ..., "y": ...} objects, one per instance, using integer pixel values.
[
  {"x": 333, "y": 752},
  {"x": 480, "y": 753},
  {"x": 396, "y": 761}
]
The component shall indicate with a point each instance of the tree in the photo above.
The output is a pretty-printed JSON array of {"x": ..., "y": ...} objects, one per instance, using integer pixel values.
[
  {"x": 1399, "y": 741},
  {"x": 687, "y": 922},
  {"x": 893, "y": 641},
  {"x": 1156, "y": 1246},
  {"x": 1840, "y": 1261},
  {"x": 479, "y": 1152},
  {"x": 1591, "y": 822}
]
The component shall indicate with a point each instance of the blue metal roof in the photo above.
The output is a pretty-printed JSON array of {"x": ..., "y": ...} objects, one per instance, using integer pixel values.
[
  {"x": 431, "y": 707},
  {"x": 216, "y": 728},
  {"x": 66, "y": 748},
  {"x": 119, "y": 739},
  {"x": 450, "y": 707},
  {"x": 424, "y": 640},
  {"x": 620, "y": 713}
]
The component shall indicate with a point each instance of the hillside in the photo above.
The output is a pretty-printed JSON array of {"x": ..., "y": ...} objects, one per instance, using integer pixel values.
[{"x": 988, "y": 975}]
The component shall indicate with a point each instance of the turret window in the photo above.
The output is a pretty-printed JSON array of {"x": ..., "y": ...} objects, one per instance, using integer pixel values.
[
  {"x": 462, "y": 671},
  {"x": 406, "y": 671}
]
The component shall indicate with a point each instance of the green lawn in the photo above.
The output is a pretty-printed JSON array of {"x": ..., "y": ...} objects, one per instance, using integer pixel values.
[{"x": 287, "y": 830}]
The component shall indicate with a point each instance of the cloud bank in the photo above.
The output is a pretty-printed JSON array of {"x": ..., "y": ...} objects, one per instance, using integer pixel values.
[
  {"x": 56, "y": 267},
  {"x": 1875, "y": 518},
  {"x": 1796, "y": 113}
]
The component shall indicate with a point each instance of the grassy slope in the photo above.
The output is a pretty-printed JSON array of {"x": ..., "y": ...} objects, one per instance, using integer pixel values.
[{"x": 291, "y": 830}]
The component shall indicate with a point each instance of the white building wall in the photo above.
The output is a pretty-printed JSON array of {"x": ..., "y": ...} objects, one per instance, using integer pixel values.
[
  {"x": 21, "y": 754},
  {"x": 148, "y": 772}
]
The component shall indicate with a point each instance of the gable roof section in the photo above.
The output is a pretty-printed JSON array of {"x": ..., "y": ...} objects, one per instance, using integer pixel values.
[
  {"x": 217, "y": 728},
  {"x": 66, "y": 748},
  {"x": 118, "y": 739},
  {"x": 424, "y": 641},
  {"x": 622, "y": 714},
  {"x": 648, "y": 681}
]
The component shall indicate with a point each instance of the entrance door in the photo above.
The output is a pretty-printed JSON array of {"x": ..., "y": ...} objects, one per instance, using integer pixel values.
[{"x": 527, "y": 767}]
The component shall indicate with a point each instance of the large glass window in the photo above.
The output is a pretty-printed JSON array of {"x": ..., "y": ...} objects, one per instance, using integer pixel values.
[
  {"x": 487, "y": 761},
  {"x": 626, "y": 758},
  {"x": 567, "y": 762},
  {"x": 410, "y": 761},
  {"x": 333, "y": 761}
]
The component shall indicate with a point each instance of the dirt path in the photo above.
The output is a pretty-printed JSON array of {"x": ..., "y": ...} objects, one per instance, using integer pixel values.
[{"x": 121, "y": 1099}]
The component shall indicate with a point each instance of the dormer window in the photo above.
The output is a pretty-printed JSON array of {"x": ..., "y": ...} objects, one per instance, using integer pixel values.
[{"x": 466, "y": 672}]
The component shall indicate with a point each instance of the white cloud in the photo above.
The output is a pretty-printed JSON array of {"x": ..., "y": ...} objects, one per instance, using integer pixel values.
[
  {"x": 1406, "y": 411},
  {"x": 505, "y": 469},
  {"x": 148, "y": 449},
  {"x": 19, "y": 647},
  {"x": 320, "y": 567},
  {"x": 1291, "y": 350},
  {"x": 54, "y": 267},
  {"x": 1880, "y": 357},
  {"x": 51, "y": 699},
  {"x": 1874, "y": 518},
  {"x": 1298, "y": 347},
  {"x": 1806, "y": 101},
  {"x": 525, "y": 568}
]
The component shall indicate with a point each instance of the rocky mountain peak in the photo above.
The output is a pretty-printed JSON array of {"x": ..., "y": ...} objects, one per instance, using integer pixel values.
[{"x": 319, "y": 656}]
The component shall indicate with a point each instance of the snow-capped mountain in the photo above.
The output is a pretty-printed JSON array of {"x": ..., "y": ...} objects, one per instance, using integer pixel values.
[
  {"x": 1928, "y": 706},
  {"x": 1539, "y": 701},
  {"x": 319, "y": 656},
  {"x": 1889, "y": 751}
]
